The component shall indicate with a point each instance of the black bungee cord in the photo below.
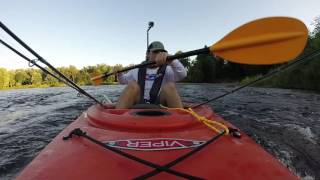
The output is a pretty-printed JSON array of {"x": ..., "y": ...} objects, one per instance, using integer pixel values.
[
  {"x": 181, "y": 158},
  {"x": 79, "y": 132}
]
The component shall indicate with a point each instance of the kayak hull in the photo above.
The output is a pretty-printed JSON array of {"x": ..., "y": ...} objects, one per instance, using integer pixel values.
[{"x": 156, "y": 135}]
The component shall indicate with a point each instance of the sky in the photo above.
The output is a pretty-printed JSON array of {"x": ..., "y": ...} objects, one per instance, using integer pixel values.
[{"x": 83, "y": 32}]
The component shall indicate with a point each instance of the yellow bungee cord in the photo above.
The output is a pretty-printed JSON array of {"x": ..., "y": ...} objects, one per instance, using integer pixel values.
[{"x": 209, "y": 123}]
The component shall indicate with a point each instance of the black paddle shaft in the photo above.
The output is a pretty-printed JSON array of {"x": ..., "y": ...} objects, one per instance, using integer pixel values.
[{"x": 205, "y": 50}]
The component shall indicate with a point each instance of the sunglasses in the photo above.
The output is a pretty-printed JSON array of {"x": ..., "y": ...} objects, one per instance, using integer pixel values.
[{"x": 156, "y": 51}]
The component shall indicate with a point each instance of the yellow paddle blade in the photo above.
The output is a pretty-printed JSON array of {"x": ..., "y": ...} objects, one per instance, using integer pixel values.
[
  {"x": 96, "y": 79},
  {"x": 270, "y": 40}
]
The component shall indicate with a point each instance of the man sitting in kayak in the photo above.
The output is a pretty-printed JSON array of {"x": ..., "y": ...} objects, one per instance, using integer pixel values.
[{"x": 154, "y": 84}]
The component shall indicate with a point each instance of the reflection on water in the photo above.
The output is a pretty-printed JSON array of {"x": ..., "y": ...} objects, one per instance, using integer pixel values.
[{"x": 285, "y": 122}]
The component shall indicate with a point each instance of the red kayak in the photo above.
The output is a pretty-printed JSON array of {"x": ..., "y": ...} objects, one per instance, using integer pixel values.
[{"x": 160, "y": 138}]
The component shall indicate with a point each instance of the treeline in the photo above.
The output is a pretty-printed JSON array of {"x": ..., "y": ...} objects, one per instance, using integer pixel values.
[
  {"x": 210, "y": 69},
  {"x": 203, "y": 69},
  {"x": 36, "y": 78}
]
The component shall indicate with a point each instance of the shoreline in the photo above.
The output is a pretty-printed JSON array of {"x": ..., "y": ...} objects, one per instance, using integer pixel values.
[{"x": 227, "y": 84}]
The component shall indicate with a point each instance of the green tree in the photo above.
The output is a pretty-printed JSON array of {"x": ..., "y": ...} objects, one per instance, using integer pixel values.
[
  {"x": 205, "y": 68},
  {"x": 36, "y": 77},
  {"x": 72, "y": 72},
  {"x": 51, "y": 81},
  {"x": 22, "y": 77},
  {"x": 12, "y": 81},
  {"x": 103, "y": 68},
  {"x": 83, "y": 77},
  {"x": 4, "y": 78}
]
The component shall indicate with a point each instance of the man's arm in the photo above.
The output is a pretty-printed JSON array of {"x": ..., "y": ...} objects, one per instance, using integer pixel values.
[
  {"x": 176, "y": 70},
  {"x": 179, "y": 72},
  {"x": 124, "y": 78}
]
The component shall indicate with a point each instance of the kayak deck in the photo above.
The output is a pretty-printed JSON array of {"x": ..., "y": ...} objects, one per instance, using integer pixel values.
[{"x": 156, "y": 135}]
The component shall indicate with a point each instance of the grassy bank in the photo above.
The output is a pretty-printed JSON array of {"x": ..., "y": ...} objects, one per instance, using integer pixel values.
[
  {"x": 46, "y": 86},
  {"x": 29, "y": 86},
  {"x": 303, "y": 76}
]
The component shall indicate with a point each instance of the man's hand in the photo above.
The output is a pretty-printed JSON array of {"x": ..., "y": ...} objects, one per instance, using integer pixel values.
[
  {"x": 117, "y": 76},
  {"x": 161, "y": 58}
]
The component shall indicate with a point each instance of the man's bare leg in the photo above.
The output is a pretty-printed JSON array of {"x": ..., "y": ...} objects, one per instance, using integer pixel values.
[
  {"x": 129, "y": 96},
  {"x": 169, "y": 96}
]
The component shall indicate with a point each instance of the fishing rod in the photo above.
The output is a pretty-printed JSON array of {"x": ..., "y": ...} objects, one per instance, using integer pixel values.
[
  {"x": 75, "y": 86},
  {"x": 34, "y": 63},
  {"x": 300, "y": 60}
]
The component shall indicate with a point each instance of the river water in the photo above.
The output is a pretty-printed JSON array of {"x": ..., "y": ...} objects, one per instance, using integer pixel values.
[{"x": 285, "y": 122}]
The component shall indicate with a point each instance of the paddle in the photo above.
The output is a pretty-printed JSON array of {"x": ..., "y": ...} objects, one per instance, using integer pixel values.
[{"x": 264, "y": 41}]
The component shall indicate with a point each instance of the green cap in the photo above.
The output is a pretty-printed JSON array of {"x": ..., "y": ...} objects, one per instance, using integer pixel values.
[{"x": 156, "y": 46}]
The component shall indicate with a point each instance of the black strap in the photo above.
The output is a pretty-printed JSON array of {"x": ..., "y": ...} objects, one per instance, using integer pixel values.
[
  {"x": 154, "y": 92},
  {"x": 141, "y": 81},
  {"x": 155, "y": 86}
]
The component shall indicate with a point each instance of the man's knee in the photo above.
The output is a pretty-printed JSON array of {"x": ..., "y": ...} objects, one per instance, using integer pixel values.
[
  {"x": 133, "y": 87},
  {"x": 169, "y": 87}
]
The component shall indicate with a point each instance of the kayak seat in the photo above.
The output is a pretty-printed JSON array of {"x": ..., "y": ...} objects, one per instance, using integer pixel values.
[
  {"x": 151, "y": 113},
  {"x": 156, "y": 112},
  {"x": 146, "y": 106}
]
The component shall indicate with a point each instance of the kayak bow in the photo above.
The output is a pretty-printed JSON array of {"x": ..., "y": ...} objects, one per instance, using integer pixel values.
[{"x": 158, "y": 136}]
